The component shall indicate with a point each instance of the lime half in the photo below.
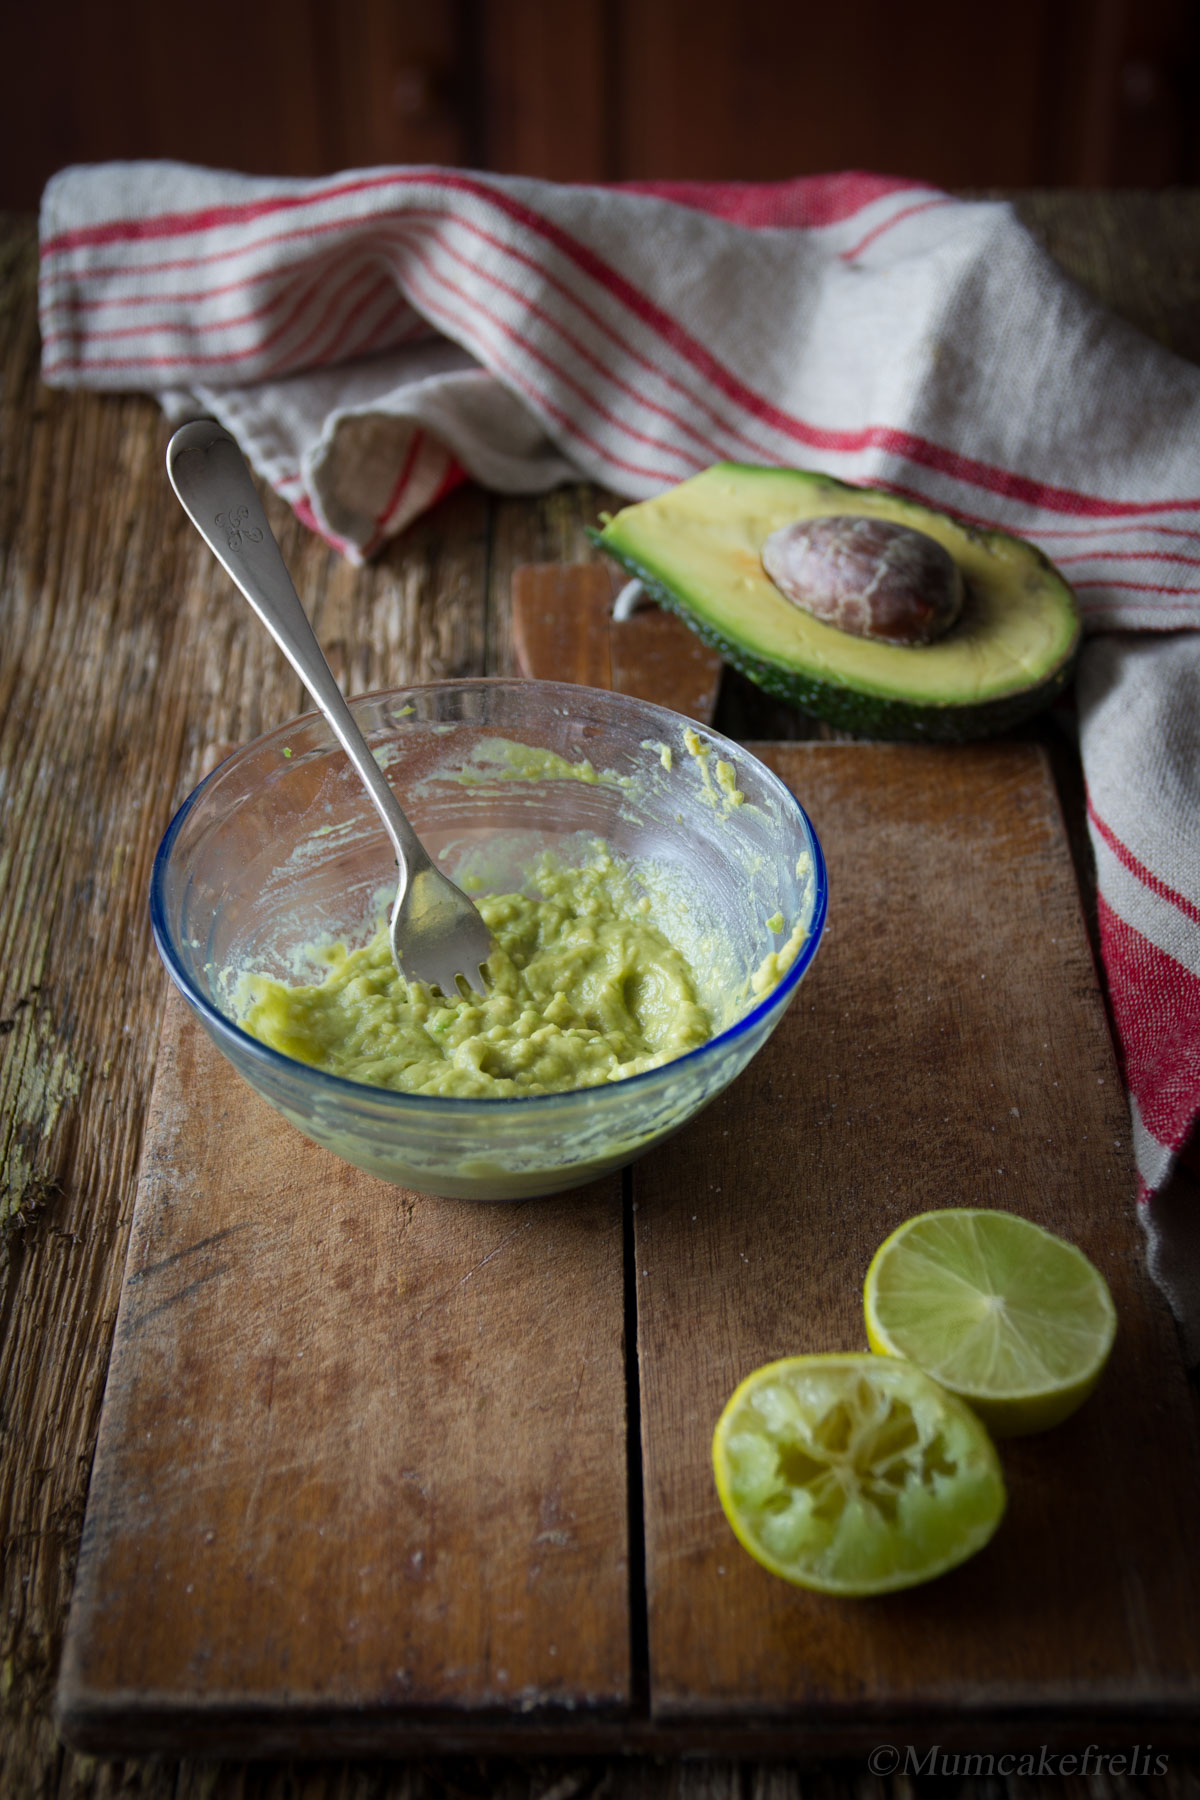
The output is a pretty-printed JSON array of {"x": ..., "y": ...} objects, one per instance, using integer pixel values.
[
  {"x": 855, "y": 1474},
  {"x": 1004, "y": 1314}
]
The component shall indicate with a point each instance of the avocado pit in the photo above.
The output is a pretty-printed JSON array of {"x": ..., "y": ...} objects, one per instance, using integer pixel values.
[{"x": 866, "y": 575}]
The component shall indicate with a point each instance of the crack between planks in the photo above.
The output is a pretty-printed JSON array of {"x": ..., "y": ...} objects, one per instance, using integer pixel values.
[{"x": 639, "y": 1614}]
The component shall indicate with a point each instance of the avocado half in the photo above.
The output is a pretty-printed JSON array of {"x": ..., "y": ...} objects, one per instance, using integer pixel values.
[{"x": 698, "y": 550}]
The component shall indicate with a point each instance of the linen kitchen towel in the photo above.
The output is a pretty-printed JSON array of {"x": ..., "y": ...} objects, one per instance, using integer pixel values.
[{"x": 372, "y": 338}]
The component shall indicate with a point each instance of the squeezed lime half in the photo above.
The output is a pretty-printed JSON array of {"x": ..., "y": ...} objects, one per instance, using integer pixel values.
[{"x": 855, "y": 1474}]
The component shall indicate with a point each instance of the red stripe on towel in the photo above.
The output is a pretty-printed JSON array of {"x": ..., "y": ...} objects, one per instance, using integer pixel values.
[
  {"x": 1145, "y": 875},
  {"x": 968, "y": 470},
  {"x": 1156, "y": 1009}
]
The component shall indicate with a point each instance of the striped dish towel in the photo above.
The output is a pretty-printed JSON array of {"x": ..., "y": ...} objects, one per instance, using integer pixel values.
[{"x": 373, "y": 338}]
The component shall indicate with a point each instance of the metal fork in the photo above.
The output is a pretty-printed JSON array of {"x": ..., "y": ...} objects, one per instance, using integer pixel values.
[{"x": 437, "y": 935}]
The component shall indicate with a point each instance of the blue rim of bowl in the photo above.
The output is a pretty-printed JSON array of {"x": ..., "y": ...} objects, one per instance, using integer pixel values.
[{"x": 341, "y": 1084}]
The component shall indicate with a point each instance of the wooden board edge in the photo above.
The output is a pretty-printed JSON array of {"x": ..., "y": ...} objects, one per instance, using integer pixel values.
[{"x": 111, "y": 1730}]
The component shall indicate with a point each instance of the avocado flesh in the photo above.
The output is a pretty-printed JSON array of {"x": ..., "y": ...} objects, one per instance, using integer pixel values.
[{"x": 697, "y": 548}]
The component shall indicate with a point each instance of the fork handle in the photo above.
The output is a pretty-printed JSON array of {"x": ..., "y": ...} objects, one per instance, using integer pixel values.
[{"x": 214, "y": 485}]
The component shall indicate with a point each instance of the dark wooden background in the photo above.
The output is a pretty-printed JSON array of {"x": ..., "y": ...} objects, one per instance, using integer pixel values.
[{"x": 1037, "y": 93}]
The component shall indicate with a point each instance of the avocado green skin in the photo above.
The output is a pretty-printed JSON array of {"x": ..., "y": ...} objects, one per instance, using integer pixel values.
[{"x": 866, "y": 715}]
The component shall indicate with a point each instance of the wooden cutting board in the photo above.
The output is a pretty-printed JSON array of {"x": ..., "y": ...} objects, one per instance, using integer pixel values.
[
  {"x": 564, "y": 630},
  {"x": 377, "y": 1471}
]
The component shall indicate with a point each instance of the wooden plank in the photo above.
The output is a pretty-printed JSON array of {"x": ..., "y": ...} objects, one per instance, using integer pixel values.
[
  {"x": 393, "y": 88},
  {"x": 362, "y": 1453},
  {"x": 655, "y": 657},
  {"x": 554, "y": 530},
  {"x": 543, "y": 95},
  {"x": 949, "y": 1047},
  {"x": 560, "y": 619},
  {"x": 706, "y": 98},
  {"x": 176, "y": 101},
  {"x": 563, "y": 630}
]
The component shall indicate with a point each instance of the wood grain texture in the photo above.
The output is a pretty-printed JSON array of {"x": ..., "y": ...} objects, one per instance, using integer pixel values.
[
  {"x": 655, "y": 657},
  {"x": 362, "y": 1454},
  {"x": 361, "y": 1478},
  {"x": 699, "y": 72},
  {"x": 1084, "y": 93},
  {"x": 563, "y": 630},
  {"x": 552, "y": 531},
  {"x": 562, "y": 622},
  {"x": 122, "y": 656},
  {"x": 948, "y": 1048},
  {"x": 545, "y": 87}
]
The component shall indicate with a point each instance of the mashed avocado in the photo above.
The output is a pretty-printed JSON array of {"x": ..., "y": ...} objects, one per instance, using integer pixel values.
[{"x": 583, "y": 989}]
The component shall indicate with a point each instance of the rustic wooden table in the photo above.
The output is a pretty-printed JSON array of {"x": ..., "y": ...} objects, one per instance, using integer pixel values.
[{"x": 125, "y": 658}]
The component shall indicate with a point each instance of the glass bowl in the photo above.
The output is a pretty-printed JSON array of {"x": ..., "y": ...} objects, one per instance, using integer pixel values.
[{"x": 280, "y": 849}]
